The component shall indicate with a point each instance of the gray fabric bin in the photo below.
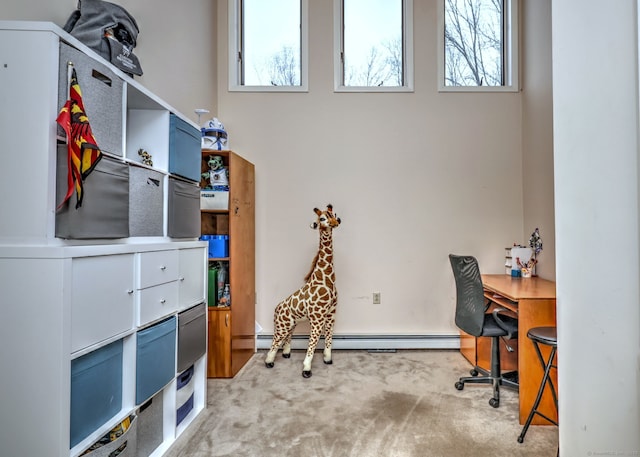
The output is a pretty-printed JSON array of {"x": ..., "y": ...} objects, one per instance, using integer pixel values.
[
  {"x": 146, "y": 208},
  {"x": 184, "y": 209},
  {"x": 102, "y": 95},
  {"x": 105, "y": 206},
  {"x": 192, "y": 336},
  {"x": 125, "y": 444},
  {"x": 150, "y": 425}
]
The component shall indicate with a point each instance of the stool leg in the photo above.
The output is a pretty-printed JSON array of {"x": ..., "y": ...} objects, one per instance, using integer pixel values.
[{"x": 545, "y": 379}]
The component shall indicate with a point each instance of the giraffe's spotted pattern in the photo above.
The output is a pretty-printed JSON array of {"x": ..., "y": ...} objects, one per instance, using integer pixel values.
[{"x": 315, "y": 301}]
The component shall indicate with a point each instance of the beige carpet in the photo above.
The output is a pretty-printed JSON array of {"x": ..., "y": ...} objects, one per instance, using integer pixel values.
[{"x": 364, "y": 405}]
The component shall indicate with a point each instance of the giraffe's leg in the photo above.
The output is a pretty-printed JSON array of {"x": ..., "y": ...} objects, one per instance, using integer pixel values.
[
  {"x": 316, "y": 330},
  {"x": 328, "y": 338},
  {"x": 281, "y": 330},
  {"x": 286, "y": 346},
  {"x": 271, "y": 355}
]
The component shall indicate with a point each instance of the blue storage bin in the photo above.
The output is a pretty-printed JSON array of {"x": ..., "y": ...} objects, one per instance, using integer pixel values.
[
  {"x": 218, "y": 246},
  {"x": 96, "y": 390},
  {"x": 155, "y": 358},
  {"x": 184, "y": 394},
  {"x": 185, "y": 155}
]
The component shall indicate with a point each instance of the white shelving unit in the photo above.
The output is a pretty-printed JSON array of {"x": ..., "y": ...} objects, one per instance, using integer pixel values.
[{"x": 63, "y": 300}]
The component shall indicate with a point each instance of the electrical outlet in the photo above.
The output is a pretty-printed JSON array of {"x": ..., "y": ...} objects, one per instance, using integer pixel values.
[{"x": 376, "y": 298}]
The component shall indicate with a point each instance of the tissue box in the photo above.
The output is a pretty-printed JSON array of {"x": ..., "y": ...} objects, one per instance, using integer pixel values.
[{"x": 213, "y": 199}]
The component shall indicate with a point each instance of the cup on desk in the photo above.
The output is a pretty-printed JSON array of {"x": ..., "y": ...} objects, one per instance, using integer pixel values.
[{"x": 526, "y": 272}]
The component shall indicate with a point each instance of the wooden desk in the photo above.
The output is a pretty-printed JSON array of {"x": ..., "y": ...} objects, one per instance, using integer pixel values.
[{"x": 534, "y": 299}]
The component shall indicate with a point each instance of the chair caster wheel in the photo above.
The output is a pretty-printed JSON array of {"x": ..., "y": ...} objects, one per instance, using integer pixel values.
[
  {"x": 474, "y": 372},
  {"x": 494, "y": 402},
  {"x": 459, "y": 385}
]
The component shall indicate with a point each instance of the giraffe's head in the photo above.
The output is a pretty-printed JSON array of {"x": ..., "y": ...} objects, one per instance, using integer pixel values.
[{"x": 326, "y": 219}]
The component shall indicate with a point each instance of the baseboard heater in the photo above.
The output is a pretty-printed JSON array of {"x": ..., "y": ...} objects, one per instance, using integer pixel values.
[{"x": 369, "y": 342}]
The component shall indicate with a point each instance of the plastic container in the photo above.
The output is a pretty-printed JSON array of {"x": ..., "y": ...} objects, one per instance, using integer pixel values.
[
  {"x": 226, "y": 296},
  {"x": 219, "y": 246}
]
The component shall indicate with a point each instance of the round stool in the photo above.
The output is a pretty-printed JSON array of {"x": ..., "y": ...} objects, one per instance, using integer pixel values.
[{"x": 543, "y": 336}]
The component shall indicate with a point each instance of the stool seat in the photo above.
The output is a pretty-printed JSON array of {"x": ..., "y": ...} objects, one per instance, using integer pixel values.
[{"x": 544, "y": 335}]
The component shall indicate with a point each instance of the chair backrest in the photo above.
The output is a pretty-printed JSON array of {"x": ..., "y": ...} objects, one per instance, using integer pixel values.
[{"x": 470, "y": 302}]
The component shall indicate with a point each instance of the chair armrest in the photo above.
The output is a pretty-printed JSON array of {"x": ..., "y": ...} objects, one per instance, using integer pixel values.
[{"x": 506, "y": 312}]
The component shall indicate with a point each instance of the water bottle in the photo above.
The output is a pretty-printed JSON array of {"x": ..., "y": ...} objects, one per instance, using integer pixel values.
[
  {"x": 221, "y": 281},
  {"x": 226, "y": 296}
]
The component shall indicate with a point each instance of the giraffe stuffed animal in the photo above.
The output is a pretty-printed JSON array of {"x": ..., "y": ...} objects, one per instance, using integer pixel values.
[{"x": 315, "y": 301}]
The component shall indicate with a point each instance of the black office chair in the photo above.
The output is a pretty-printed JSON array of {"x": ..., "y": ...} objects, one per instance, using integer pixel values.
[{"x": 472, "y": 318}]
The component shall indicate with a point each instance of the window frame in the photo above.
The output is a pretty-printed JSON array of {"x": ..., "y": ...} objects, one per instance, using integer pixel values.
[
  {"x": 235, "y": 47},
  {"x": 407, "y": 59},
  {"x": 510, "y": 54}
]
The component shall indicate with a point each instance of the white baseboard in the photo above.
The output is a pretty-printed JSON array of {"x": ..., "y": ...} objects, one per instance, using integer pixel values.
[{"x": 372, "y": 342}]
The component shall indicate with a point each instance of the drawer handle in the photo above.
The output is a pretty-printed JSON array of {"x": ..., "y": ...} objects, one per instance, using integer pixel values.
[
  {"x": 101, "y": 77},
  {"x": 129, "y": 291},
  {"x": 163, "y": 301},
  {"x": 182, "y": 279},
  {"x": 163, "y": 268}
]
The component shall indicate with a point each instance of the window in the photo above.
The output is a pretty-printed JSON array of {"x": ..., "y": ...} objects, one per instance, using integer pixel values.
[
  {"x": 374, "y": 45},
  {"x": 478, "y": 49},
  {"x": 268, "y": 45}
]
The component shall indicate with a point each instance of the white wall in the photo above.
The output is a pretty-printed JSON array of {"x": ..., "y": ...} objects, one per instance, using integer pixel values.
[
  {"x": 174, "y": 44},
  {"x": 537, "y": 129},
  {"x": 409, "y": 198},
  {"x": 595, "y": 103},
  {"x": 414, "y": 176}
]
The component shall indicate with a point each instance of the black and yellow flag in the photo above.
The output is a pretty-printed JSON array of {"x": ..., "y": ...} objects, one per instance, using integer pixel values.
[{"x": 83, "y": 151}]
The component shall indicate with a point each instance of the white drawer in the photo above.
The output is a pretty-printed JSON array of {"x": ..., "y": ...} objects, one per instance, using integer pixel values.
[
  {"x": 102, "y": 298},
  {"x": 191, "y": 278},
  {"x": 157, "y": 267},
  {"x": 157, "y": 301}
]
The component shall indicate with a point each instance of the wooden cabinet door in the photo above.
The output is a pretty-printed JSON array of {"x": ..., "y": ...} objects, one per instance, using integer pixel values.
[{"x": 219, "y": 350}]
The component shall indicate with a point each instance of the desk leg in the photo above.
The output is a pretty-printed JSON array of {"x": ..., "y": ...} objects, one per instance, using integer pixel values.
[{"x": 534, "y": 313}]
